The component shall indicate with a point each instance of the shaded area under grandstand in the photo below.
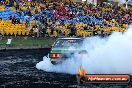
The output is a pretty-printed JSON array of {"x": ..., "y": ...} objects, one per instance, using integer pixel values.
[{"x": 17, "y": 69}]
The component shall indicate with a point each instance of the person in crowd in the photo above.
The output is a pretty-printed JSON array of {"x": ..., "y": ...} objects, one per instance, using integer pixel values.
[{"x": 50, "y": 13}]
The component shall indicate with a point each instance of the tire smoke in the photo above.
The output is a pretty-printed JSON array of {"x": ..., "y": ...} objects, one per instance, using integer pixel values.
[{"x": 111, "y": 55}]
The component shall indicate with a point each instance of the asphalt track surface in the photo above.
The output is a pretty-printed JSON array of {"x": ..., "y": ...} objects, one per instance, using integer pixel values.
[{"x": 17, "y": 70}]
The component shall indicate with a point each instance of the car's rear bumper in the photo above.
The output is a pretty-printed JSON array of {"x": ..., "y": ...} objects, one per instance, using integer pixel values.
[{"x": 56, "y": 61}]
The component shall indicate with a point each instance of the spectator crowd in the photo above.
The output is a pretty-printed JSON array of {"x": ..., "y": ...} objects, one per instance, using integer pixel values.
[{"x": 50, "y": 18}]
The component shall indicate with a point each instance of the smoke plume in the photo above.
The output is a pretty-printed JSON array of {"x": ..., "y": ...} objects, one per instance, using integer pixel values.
[
  {"x": 122, "y": 1},
  {"x": 112, "y": 55}
]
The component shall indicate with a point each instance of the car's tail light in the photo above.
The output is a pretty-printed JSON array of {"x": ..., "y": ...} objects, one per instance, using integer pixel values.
[{"x": 54, "y": 55}]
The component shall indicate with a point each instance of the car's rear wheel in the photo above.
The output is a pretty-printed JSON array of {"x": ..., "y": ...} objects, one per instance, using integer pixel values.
[
  {"x": 83, "y": 52},
  {"x": 53, "y": 62},
  {"x": 82, "y": 80}
]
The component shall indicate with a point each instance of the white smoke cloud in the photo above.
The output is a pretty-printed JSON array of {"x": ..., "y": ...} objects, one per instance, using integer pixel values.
[
  {"x": 112, "y": 55},
  {"x": 122, "y": 1},
  {"x": 90, "y": 1}
]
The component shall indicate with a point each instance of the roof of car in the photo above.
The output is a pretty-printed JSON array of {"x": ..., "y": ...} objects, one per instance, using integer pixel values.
[{"x": 70, "y": 38}]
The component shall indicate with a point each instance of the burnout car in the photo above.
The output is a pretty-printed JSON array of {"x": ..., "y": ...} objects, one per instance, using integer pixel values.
[{"x": 61, "y": 50}]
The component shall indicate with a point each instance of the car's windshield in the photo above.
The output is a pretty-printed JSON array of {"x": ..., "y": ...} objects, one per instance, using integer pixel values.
[{"x": 67, "y": 43}]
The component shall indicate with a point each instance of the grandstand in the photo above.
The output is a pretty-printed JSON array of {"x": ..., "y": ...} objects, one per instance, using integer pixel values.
[{"x": 28, "y": 18}]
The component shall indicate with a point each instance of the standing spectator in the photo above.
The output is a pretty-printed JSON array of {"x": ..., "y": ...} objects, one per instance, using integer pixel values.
[
  {"x": 11, "y": 3},
  {"x": 17, "y": 4}
]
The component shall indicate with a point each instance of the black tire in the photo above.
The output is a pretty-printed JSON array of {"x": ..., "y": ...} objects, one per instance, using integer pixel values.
[
  {"x": 53, "y": 62},
  {"x": 83, "y": 52},
  {"x": 82, "y": 80}
]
